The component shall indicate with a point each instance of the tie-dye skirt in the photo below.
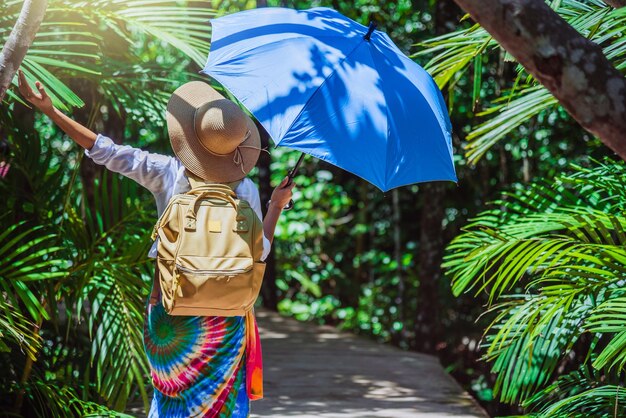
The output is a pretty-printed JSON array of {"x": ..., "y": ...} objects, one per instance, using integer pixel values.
[{"x": 197, "y": 365}]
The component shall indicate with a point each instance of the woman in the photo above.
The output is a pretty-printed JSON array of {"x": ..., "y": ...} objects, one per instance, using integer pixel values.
[{"x": 199, "y": 365}]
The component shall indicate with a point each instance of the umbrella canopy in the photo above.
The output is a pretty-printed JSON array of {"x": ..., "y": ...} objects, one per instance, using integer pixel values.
[{"x": 332, "y": 88}]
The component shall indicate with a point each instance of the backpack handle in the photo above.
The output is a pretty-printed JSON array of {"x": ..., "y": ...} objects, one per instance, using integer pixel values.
[
  {"x": 191, "y": 212},
  {"x": 197, "y": 184},
  {"x": 218, "y": 188}
]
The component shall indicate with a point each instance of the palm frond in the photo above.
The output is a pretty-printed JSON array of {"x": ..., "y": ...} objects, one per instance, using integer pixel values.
[
  {"x": 17, "y": 331},
  {"x": 456, "y": 51},
  {"x": 552, "y": 258},
  {"x": 610, "y": 318},
  {"x": 527, "y": 340},
  {"x": 48, "y": 399},
  {"x": 511, "y": 112},
  {"x": 117, "y": 299},
  {"x": 604, "y": 401},
  {"x": 579, "y": 394},
  {"x": 185, "y": 29},
  {"x": 546, "y": 227},
  {"x": 29, "y": 254},
  {"x": 121, "y": 24},
  {"x": 112, "y": 279}
]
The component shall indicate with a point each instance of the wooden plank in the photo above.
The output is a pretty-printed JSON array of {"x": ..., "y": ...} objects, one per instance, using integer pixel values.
[{"x": 316, "y": 371}]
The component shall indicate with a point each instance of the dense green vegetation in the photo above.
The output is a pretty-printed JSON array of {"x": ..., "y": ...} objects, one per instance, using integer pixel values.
[
  {"x": 431, "y": 267},
  {"x": 550, "y": 257}
]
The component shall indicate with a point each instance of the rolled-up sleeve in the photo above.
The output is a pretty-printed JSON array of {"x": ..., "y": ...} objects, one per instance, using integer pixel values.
[
  {"x": 267, "y": 246},
  {"x": 152, "y": 171}
]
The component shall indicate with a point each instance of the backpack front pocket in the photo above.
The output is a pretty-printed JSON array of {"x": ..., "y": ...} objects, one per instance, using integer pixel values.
[{"x": 214, "y": 283}]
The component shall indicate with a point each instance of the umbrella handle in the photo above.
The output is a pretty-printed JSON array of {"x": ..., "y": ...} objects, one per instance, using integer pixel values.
[{"x": 291, "y": 175}]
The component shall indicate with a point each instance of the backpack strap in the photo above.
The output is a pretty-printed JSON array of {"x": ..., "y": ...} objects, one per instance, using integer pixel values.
[{"x": 198, "y": 184}]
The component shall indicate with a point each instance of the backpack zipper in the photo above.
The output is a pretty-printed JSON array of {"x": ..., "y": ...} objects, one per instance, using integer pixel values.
[{"x": 230, "y": 272}]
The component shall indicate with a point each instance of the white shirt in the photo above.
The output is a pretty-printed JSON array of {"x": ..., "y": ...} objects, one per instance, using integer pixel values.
[{"x": 163, "y": 175}]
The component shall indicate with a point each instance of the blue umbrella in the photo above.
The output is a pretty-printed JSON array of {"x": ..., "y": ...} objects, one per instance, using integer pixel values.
[{"x": 325, "y": 85}]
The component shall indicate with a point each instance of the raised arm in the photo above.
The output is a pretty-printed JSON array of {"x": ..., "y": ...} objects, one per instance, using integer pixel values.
[
  {"x": 82, "y": 135},
  {"x": 153, "y": 171}
]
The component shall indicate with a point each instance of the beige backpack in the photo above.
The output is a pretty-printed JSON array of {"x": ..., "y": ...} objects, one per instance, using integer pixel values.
[{"x": 209, "y": 252}]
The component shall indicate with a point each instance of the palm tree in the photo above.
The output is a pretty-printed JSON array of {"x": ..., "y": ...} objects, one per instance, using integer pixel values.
[
  {"x": 102, "y": 37},
  {"x": 525, "y": 100},
  {"x": 551, "y": 258},
  {"x": 73, "y": 265},
  {"x": 548, "y": 256}
]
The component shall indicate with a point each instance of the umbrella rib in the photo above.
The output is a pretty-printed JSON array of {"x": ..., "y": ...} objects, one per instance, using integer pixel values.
[
  {"x": 386, "y": 113},
  {"x": 320, "y": 86}
]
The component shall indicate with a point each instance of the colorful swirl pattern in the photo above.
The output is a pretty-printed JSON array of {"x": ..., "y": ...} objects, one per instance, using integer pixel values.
[{"x": 197, "y": 365}]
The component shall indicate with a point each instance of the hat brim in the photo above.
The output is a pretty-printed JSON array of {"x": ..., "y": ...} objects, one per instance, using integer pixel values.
[{"x": 181, "y": 109}]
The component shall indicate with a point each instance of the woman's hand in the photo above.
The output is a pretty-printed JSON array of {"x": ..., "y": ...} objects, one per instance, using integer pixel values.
[
  {"x": 282, "y": 194},
  {"x": 40, "y": 100},
  {"x": 82, "y": 135},
  {"x": 280, "y": 197}
]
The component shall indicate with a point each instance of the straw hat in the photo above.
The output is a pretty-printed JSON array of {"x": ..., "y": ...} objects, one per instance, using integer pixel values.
[{"x": 211, "y": 136}]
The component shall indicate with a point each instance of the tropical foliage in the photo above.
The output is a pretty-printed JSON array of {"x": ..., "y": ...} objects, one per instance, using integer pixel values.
[
  {"x": 552, "y": 258},
  {"x": 97, "y": 41},
  {"x": 80, "y": 282},
  {"x": 523, "y": 100},
  {"x": 546, "y": 258},
  {"x": 73, "y": 262}
]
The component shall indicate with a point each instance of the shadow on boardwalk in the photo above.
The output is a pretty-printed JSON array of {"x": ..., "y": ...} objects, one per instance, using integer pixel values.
[{"x": 316, "y": 371}]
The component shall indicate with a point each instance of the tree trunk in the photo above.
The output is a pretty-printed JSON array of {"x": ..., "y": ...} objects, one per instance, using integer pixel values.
[
  {"x": 616, "y": 3},
  {"x": 362, "y": 218},
  {"x": 19, "y": 41},
  {"x": 431, "y": 242},
  {"x": 431, "y": 247},
  {"x": 400, "y": 336},
  {"x": 573, "y": 68}
]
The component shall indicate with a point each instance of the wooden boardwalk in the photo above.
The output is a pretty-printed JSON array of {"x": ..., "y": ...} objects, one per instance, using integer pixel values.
[{"x": 316, "y": 371}]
